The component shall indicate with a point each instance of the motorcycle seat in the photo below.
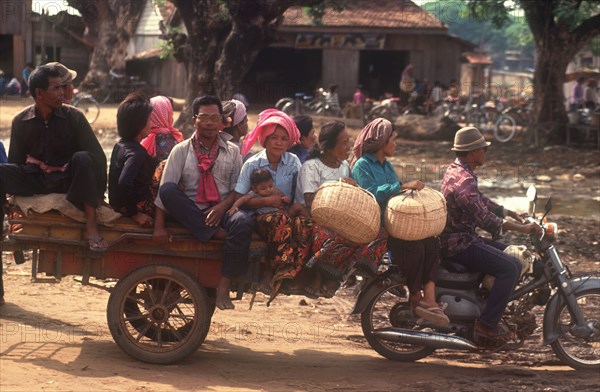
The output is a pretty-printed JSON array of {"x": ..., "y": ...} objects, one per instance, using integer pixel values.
[{"x": 456, "y": 276}]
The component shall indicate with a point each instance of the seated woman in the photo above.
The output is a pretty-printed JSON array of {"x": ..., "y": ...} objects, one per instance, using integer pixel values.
[
  {"x": 333, "y": 256},
  {"x": 131, "y": 168},
  {"x": 288, "y": 238},
  {"x": 163, "y": 136},
  {"x": 307, "y": 137},
  {"x": 418, "y": 260}
]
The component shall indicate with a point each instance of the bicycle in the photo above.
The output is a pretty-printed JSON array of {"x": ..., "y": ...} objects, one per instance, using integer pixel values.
[
  {"x": 491, "y": 118},
  {"x": 87, "y": 104}
]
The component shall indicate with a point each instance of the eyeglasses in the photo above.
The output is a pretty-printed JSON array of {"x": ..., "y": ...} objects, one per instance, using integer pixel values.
[{"x": 204, "y": 117}]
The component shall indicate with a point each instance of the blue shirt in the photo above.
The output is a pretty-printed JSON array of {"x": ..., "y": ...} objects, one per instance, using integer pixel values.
[
  {"x": 301, "y": 152},
  {"x": 380, "y": 180},
  {"x": 284, "y": 177}
]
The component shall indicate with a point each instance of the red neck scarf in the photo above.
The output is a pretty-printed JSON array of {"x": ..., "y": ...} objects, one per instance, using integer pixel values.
[{"x": 207, "y": 192}]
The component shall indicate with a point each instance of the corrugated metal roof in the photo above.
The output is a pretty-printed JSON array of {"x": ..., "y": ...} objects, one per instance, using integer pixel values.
[{"x": 372, "y": 13}]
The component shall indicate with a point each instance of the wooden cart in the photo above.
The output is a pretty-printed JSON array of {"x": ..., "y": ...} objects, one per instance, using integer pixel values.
[{"x": 161, "y": 307}]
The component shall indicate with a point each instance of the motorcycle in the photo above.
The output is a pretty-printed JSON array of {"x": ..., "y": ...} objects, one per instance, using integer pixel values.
[
  {"x": 301, "y": 103},
  {"x": 571, "y": 323}
]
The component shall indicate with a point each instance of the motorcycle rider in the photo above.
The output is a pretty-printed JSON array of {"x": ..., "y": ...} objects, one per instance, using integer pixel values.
[{"x": 468, "y": 208}]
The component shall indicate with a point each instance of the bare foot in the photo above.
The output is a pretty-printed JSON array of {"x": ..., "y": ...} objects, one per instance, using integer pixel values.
[{"x": 223, "y": 301}]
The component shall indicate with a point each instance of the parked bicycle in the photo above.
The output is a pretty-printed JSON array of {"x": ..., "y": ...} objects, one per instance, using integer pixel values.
[
  {"x": 494, "y": 118},
  {"x": 87, "y": 104},
  {"x": 119, "y": 85}
]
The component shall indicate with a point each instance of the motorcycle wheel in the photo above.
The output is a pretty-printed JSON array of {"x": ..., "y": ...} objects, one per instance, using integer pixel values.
[
  {"x": 579, "y": 352},
  {"x": 289, "y": 108},
  {"x": 390, "y": 308}
]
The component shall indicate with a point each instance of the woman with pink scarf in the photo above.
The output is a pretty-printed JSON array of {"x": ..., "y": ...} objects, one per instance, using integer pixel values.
[
  {"x": 288, "y": 238},
  {"x": 163, "y": 136}
]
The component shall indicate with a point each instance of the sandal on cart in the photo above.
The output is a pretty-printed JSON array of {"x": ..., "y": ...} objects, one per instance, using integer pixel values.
[
  {"x": 328, "y": 289},
  {"x": 433, "y": 314},
  {"x": 312, "y": 292},
  {"x": 98, "y": 244}
]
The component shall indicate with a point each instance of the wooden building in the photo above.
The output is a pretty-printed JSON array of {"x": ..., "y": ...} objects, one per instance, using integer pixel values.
[
  {"x": 367, "y": 42},
  {"x": 15, "y": 36}
]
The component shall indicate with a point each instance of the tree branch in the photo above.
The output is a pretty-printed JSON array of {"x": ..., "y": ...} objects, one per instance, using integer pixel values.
[{"x": 588, "y": 29}]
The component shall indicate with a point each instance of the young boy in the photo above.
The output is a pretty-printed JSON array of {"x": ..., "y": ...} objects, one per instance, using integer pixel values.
[{"x": 262, "y": 185}]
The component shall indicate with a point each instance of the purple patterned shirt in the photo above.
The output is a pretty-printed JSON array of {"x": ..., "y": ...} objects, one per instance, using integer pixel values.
[{"x": 468, "y": 208}]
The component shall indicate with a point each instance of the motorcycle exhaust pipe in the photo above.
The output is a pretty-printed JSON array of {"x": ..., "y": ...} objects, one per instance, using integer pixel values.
[{"x": 425, "y": 339}]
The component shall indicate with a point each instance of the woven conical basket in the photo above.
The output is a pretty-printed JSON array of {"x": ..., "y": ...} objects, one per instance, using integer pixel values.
[
  {"x": 416, "y": 215},
  {"x": 348, "y": 210}
]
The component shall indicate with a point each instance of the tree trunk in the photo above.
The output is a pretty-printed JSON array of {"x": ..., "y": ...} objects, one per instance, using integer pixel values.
[
  {"x": 115, "y": 21},
  {"x": 241, "y": 47},
  {"x": 550, "y": 116},
  {"x": 557, "y": 40}
]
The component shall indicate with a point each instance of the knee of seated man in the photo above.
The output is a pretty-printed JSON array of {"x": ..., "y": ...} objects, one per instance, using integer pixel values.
[
  {"x": 166, "y": 189},
  {"x": 83, "y": 158}
]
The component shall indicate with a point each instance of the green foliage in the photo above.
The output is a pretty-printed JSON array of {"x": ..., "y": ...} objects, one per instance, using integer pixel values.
[
  {"x": 481, "y": 25},
  {"x": 317, "y": 11}
]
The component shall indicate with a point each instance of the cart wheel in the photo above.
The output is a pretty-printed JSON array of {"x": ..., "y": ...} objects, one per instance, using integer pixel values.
[{"x": 158, "y": 314}]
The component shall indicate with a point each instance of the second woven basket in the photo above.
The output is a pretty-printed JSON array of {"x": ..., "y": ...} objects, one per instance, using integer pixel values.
[
  {"x": 348, "y": 210},
  {"x": 415, "y": 215}
]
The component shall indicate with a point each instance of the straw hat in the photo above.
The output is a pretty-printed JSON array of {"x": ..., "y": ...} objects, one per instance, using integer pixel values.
[
  {"x": 469, "y": 139},
  {"x": 67, "y": 75}
]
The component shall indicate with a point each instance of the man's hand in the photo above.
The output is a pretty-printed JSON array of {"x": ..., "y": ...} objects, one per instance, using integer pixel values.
[
  {"x": 143, "y": 220},
  {"x": 515, "y": 216},
  {"x": 214, "y": 215},
  {"x": 529, "y": 227}
]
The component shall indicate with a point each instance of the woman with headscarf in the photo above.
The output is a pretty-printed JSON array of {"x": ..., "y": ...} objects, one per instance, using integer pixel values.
[
  {"x": 236, "y": 111},
  {"x": 334, "y": 257},
  {"x": 418, "y": 260},
  {"x": 163, "y": 135},
  {"x": 288, "y": 238}
]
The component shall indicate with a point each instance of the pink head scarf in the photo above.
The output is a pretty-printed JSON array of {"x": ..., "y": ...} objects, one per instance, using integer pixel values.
[
  {"x": 268, "y": 120},
  {"x": 161, "y": 122},
  {"x": 372, "y": 138}
]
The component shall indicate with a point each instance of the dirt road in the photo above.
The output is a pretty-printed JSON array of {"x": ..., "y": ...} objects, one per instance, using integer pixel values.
[{"x": 53, "y": 337}]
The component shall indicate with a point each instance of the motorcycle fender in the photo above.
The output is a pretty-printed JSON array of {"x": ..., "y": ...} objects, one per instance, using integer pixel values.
[
  {"x": 370, "y": 291},
  {"x": 581, "y": 284}
]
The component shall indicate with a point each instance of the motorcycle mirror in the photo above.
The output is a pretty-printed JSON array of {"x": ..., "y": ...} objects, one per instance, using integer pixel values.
[
  {"x": 548, "y": 205},
  {"x": 547, "y": 208},
  {"x": 532, "y": 193},
  {"x": 532, "y": 197}
]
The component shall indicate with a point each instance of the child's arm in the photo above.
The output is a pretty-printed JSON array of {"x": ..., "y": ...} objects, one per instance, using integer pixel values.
[
  {"x": 240, "y": 202},
  {"x": 284, "y": 199}
]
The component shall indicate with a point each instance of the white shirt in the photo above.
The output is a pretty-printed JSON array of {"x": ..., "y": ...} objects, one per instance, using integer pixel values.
[
  {"x": 314, "y": 173},
  {"x": 182, "y": 169}
]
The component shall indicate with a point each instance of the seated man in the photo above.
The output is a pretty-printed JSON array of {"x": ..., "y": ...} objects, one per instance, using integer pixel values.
[
  {"x": 468, "y": 208},
  {"x": 54, "y": 150},
  {"x": 197, "y": 187}
]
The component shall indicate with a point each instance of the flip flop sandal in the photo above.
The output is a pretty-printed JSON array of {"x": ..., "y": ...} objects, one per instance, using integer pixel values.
[
  {"x": 98, "y": 245},
  {"x": 433, "y": 314}
]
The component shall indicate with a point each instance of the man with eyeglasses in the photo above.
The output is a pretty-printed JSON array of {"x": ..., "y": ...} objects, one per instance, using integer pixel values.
[
  {"x": 468, "y": 209},
  {"x": 54, "y": 150},
  {"x": 197, "y": 188}
]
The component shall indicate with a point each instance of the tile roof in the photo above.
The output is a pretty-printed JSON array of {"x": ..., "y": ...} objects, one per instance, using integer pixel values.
[{"x": 386, "y": 14}]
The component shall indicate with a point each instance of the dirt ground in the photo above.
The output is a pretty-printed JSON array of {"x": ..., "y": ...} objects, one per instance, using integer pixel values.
[{"x": 54, "y": 337}]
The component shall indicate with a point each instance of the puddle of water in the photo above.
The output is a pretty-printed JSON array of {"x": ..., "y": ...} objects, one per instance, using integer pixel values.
[{"x": 574, "y": 207}]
